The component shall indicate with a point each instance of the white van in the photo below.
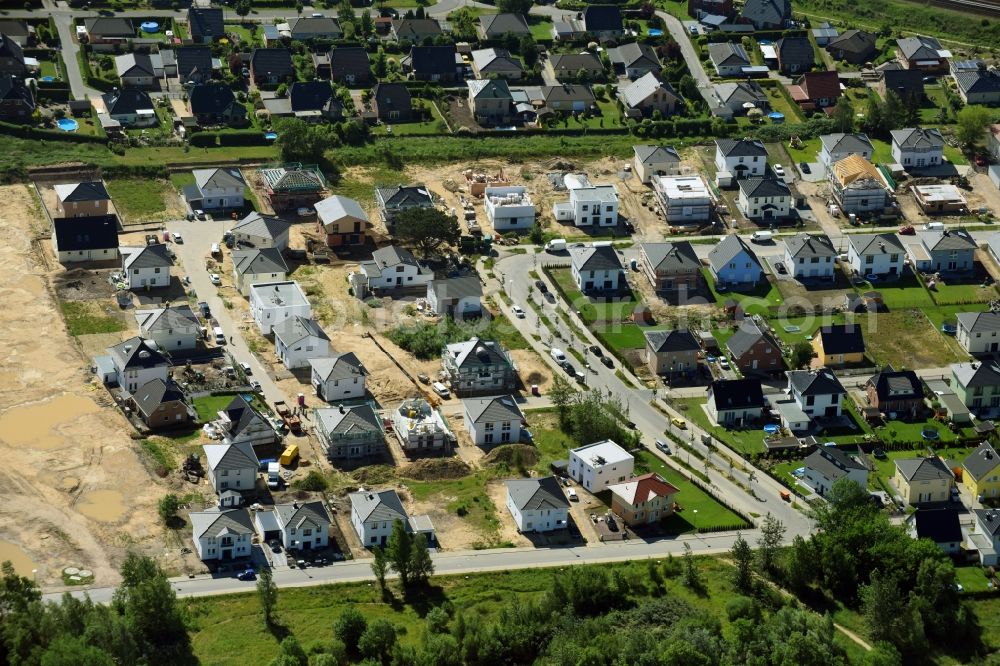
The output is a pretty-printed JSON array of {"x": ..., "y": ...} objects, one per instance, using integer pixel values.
[
  {"x": 761, "y": 237},
  {"x": 220, "y": 335},
  {"x": 556, "y": 245},
  {"x": 216, "y": 250},
  {"x": 441, "y": 389},
  {"x": 558, "y": 355},
  {"x": 934, "y": 226},
  {"x": 571, "y": 494}
]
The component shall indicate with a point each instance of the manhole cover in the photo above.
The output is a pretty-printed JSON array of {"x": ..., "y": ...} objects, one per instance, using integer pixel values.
[
  {"x": 71, "y": 571},
  {"x": 86, "y": 573}
]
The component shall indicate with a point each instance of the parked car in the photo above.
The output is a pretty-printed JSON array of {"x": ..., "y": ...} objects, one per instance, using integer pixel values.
[
  {"x": 606, "y": 360},
  {"x": 596, "y": 351},
  {"x": 275, "y": 545},
  {"x": 256, "y": 387},
  {"x": 571, "y": 494},
  {"x": 779, "y": 171},
  {"x": 541, "y": 287},
  {"x": 907, "y": 230},
  {"x": 245, "y": 367},
  {"x": 663, "y": 446},
  {"x": 178, "y": 238},
  {"x": 980, "y": 161},
  {"x": 570, "y": 370},
  {"x": 780, "y": 267},
  {"x": 518, "y": 312},
  {"x": 678, "y": 422},
  {"x": 200, "y": 214},
  {"x": 441, "y": 390},
  {"x": 215, "y": 278},
  {"x": 247, "y": 574},
  {"x": 804, "y": 166}
]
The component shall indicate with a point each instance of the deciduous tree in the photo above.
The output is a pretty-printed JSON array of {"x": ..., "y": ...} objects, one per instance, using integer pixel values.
[
  {"x": 398, "y": 550},
  {"x": 267, "y": 592},
  {"x": 743, "y": 560},
  {"x": 378, "y": 640},
  {"x": 971, "y": 124},
  {"x": 421, "y": 565},
  {"x": 772, "y": 532},
  {"x": 349, "y": 628},
  {"x": 380, "y": 566},
  {"x": 426, "y": 229}
]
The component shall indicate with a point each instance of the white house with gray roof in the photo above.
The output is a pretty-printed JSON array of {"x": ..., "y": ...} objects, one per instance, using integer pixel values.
[
  {"x": 733, "y": 263},
  {"x": 338, "y": 377},
  {"x": 457, "y": 297},
  {"x": 493, "y": 420},
  {"x": 917, "y": 147},
  {"x": 634, "y": 59},
  {"x": 647, "y": 94},
  {"x": 978, "y": 332},
  {"x": 261, "y": 231},
  {"x": 728, "y": 58},
  {"x": 740, "y": 158},
  {"x": 216, "y": 189},
  {"x": 298, "y": 339},
  {"x": 733, "y": 96},
  {"x": 146, "y": 266},
  {"x": 875, "y": 254},
  {"x": 808, "y": 256},
  {"x": 588, "y": 205},
  {"x": 537, "y": 505},
  {"x": 816, "y": 392},
  {"x": 943, "y": 250},
  {"x": 349, "y": 432},
  {"x": 273, "y": 302},
  {"x": 172, "y": 328},
  {"x": 231, "y": 466},
  {"x": 597, "y": 267},
  {"x": 393, "y": 267},
  {"x": 373, "y": 514},
  {"x": 764, "y": 199},
  {"x": 301, "y": 525},
  {"x": 137, "y": 363},
  {"x": 222, "y": 535},
  {"x": 478, "y": 367},
  {"x": 650, "y": 161},
  {"x": 257, "y": 265},
  {"x": 837, "y": 146},
  {"x": 827, "y": 465}
]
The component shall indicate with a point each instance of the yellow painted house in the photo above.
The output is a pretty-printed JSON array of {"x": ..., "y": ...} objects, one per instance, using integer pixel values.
[
  {"x": 981, "y": 472},
  {"x": 838, "y": 344},
  {"x": 922, "y": 480}
]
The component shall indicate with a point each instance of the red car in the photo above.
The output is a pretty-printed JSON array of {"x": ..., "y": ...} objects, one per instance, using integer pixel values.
[{"x": 908, "y": 230}]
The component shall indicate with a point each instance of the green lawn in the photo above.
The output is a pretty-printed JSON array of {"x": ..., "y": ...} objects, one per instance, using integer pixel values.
[
  {"x": 905, "y": 292},
  {"x": 885, "y": 468},
  {"x": 465, "y": 497},
  {"x": 593, "y": 310},
  {"x": 86, "y": 317},
  {"x": 243, "y": 34},
  {"x": 626, "y": 336},
  {"x": 541, "y": 29},
  {"x": 49, "y": 68},
  {"x": 209, "y": 406},
  {"x": 941, "y": 314},
  {"x": 757, "y": 301},
  {"x": 436, "y": 125},
  {"x": 807, "y": 326},
  {"x": 743, "y": 441},
  {"x": 136, "y": 198},
  {"x": 181, "y": 179},
  {"x": 806, "y": 152},
  {"x": 947, "y": 294},
  {"x": 779, "y": 102},
  {"x": 551, "y": 443}
]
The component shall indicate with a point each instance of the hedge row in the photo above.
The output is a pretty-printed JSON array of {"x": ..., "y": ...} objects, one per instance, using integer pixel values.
[
  {"x": 28, "y": 132},
  {"x": 54, "y": 94}
]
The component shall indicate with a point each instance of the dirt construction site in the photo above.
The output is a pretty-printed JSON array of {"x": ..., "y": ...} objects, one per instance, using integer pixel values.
[{"x": 74, "y": 493}]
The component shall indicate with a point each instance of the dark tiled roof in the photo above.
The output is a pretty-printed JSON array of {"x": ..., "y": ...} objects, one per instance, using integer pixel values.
[
  {"x": 497, "y": 25},
  {"x": 679, "y": 255},
  {"x": 346, "y": 60},
  {"x": 741, "y": 148},
  {"x": 211, "y": 98},
  {"x": 127, "y": 101},
  {"x": 746, "y": 336},
  {"x": 730, "y": 248},
  {"x": 764, "y": 187},
  {"x": 766, "y": 12},
  {"x": 930, "y": 468},
  {"x": 391, "y": 97},
  {"x": 831, "y": 462},
  {"x": 815, "y": 382},
  {"x": 97, "y": 232},
  {"x": 105, "y": 26},
  {"x": 795, "y": 50},
  {"x": 573, "y": 62},
  {"x": 842, "y": 339},
  {"x": 982, "y": 461},
  {"x": 311, "y": 95},
  {"x": 853, "y": 41},
  {"x": 736, "y": 394},
  {"x": 671, "y": 341},
  {"x": 272, "y": 62},
  {"x": 153, "y": 394},
  {"x": 899, "y": 385},
  {"x": 596, "y": 258},
  {"x": 938, "y": 525},
  {"x": 13, "y": 88},
  {"x": 192, "y": 59},
  {"x": 206, "y": 22},
  {"x": 492, "y": 409},
  {"x": 602, "y": 18},
  {"x": 433, "y": 59},
  {"x": 818, "y": 85},
  {"x": 807, "y": 245}
]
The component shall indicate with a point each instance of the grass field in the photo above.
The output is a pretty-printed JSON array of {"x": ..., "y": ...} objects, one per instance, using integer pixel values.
[
  {"x": 757, "y": 301},
  {"x": 137, "y": 199},
  {"x": 923, "y": 346},
  {"x": 465, "y": 497},
  {"x": 210, "y": 405},
  {"x": 744, "y": 441},
  {"x": 593, "y": 310},
  {"x": 948, "y": 294},
  {"x": 85, "y": 317},
  {"x": 541, "y": 28}
]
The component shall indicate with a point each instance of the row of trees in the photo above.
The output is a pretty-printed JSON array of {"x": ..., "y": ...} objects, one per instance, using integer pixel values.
[
  {"x": 591, "y": 416},
  {"x": 407, "y": 556}
]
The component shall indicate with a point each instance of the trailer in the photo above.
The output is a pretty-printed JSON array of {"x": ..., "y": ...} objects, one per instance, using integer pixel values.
[{"x": 291, "y": 421}]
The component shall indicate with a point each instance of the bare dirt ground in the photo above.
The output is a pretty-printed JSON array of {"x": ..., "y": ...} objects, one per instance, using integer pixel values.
[
  {"x": 78, "y": 494},
  {"x": 508, "y": 529}
]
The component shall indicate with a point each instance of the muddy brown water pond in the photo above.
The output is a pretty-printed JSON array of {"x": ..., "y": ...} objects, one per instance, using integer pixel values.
[{"x": 34, "y": 426}]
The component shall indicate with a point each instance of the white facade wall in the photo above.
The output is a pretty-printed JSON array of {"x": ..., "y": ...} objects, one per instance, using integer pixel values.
[
  {"x": 140, "y": 278},
  {"x": 493, "y": 432},
  {"x": 880, "y": 263},
  {"x": 211, "y": 548},
  {"x": 403, "y": 275},
  {"x": 267, "y": 314},
  {"x": 538, "y": 520},
  {"x": 512, "y": 215},
  {"x": 339, "y": 389},
  {"x": 754, "y": 165},
  {"x": 753, "y": 208},
  {"x": 596, "y": 478},
  {"x": 298, "y": 355},
  {"x": 132, "y": 379},
  {"x": 222, "y": 197},
  {"x": 979, "y": 342},
  {"x": 70, "y": 257},
  {"x": 589, "y": 280},
  {"x": 373, "y": 532},
  {"x": 233, "y": 479},
  {"x": 805, "y": 267}
]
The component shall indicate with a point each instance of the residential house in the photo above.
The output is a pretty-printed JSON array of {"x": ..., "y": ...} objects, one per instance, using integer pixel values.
[
  {"x": 993, "y": 246},
  {"x": 537, "y": 505},
  {"x": 160, "y": 404},
  {"x": 231, "y": 466},
  {"x": 588, "y": 205},
  {"x": 343, "y": 220},
  {"x": 670, "y": 352},
  {"x": 147, "y": 266},
  {"x": 136, "y": 363},
  {"x": 923, "y": 53},
  {"x": 824, "y": 33},
  {"x": 350, "y": 66},
  {"x": 338, "y": 377},
  {"x": 765, "y": 199},
  {"x": 735, "y": 402},
  {"x": 858, "y": 187},
  {"x": 597, "y": 268},
  {"x": 941, "y": 525},
  {"x": 138, "y": 69},
  {"x": 509, "y": 208},
  {"x": 599, "y": 465},
  {"x": 314, "y": 100},
  {"x": 943, "y": 250},
  {"x": 567, "y": 30},
  {"x": 917, "y": 148},
  {"x": 808, "y": 256},
  {"x": 977, "y": 385},
  {"x": 741, "y": 158},
  {"x": 728, "y": 58},
  {"x": 273, "y": 302},
  {"x": 414, "y": 30},
  {"x": 579, "y": 67},
  {"x": 271, "y": 67},
  {"x": 652, "y": 161},
  {"x": 839, "y": 344},
  {"x": 699, "y": 8},
  {"x": 300, "y": 525},
  {"x": 394, "y": 200},
  {"x": 206, "y": 24},
  {"x": 754, "y": 350},
  {"x": 603, "y": 21},
  {"x": 670, "y": 267},
  {"x": 394, "y": 267},
  {"x": 491, "y": 101},
  {"x": 315, "y": 27},
  {"x": 349, "y": 432},
  {"x": 855, "y": 47},
  {"x": 108, "y": 33},
  {"x": 684, "y": 200},
  {"x": 131, "y": 107},
  {"x": 839, "y": 146},
  {"x": 795, "y": 55},
  {"x": 222, "y": 535},
  {"x": 978, "y": 332},
  {"x": 907, "y": 83},
  {"x": 493, "y": 420},
  {"x": 943, "y": 198},
  {"x": 257, "y": 265},
  {"x": 875, "y": 254},
  {"x": 261, "y": 231},
  {"x": 634, "y": 60},
  {"x": 818, "y": 393},
  {"x": 923, "y": 480},
  {"x": 816, "y": 90},
  {"x": 85, "y": 199},
  {"x": 985, "y": 536},
  {"x": 827, "y": 465},
  {"x": 215, "y": 104},
  {"x": 20, "y": 32},
  {"x": 172, "y": 328},
  {"x": 297, "y": 340},
  {"x": 292, "y": 186},
  {"x": 436, "y": 64},
  {"x": 373, "y": 514},
  {"x": 733, "y": 97},
  {"x": 981, "y": 86},
  {"x": 457, "y": 297},
  {"x": 91, "y": 238},
  {"x": 478, "y": 367},
  {"x": 420, "y": 428},
  {"x": 569, "y": 98},
  {"x": 495, "y": 62},
  {"x": 647, "y": 94},
  {"x": 496, "y": 26},
  {"x": 643, "y": 500},
  {"x": 733, "y": 263},
  {"x": 17, "y": 103},
  {"x": 220, "y": 188},
  {"x": 766, "y": 14},
  {"x": 240, "y": 422},
  {"x": 392, "y": 103},
  {"x": 980, "y": 473}
]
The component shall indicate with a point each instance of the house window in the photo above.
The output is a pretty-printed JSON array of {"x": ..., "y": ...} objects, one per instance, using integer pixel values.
[{"x": 870, "y": 259}]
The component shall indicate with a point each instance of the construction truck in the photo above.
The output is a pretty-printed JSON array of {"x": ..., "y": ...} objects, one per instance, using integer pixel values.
[{"x": 291, "y": 421}]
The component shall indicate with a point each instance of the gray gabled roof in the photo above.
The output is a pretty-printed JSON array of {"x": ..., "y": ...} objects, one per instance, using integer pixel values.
[
  {"x": 947, "y": 239},
  {"x": 265, "y": 226},
  {"x": 154, "y": 393},
  {"x": 729, "y": 248},
  {"x": 166, "y": 319},
  {"x": 671, "y": 341},
  {"x": 497, "y": 25},
  {"x": 919, "y": 48},
  {"x": 596, "y": 258},
  {"x": 348, "y": 420},
  {"x": 239, "y": 455},
  {"x": 979, "y": 322},
  {"x": 764, "y": 187},
  {"x": 495, "y": 60},
  {"x": 979, "y": 81},
  {"x": 574, "y": 62},
  {"x": 639, "y": 90},
  {"x": 218, "y": 178},
  {"x": 971, "y": 375},
  {"x": 851, "y": 143},
  {"x": 215, "y": 524},
  {"x": 982, "y": 461},
  {"x": 795, "y": 50},
  {"x": 875, "y": 243},
  {"x": 989, "y": 520},
  {"x": 393, "y": 255},
  {"x": 647, "y": 154},
  {"x": 489, "y": 89},
  {"x": 741, "y": 148},
  {"x": 296, "y": 515},
  {"x": 148, "y": 256},
  {"x": 815, "y": 382},
  {"x": 492, "y": 409},
  {"x": 536, "y": 494},
  {"x": 298, "y": 328},
  {"x": 338, "y": 366},
  {"x": 831, "y": 462},
  {"x": 259, "y": 261},
  {"x": 672, "y": 256},
  {"x": 475, "y": 352},
  {"x": 923, "y": 469},
  {"x": 918, "y": 137},
  {"x": 382, "y": 505},
  {"x": 741, "y": 92},
  {"x": 335, "y": 208},
  {"x": 766, "y": 12},
  {"x": 807, "y": 246},
  {"x": 137, "y": 353},
  {"x": 134, "y": 64},
  {"x": 634, "y": 53},
  {"x": 853, "y": 41},
  {"x": 93, "y": 190},
  {"x": 467, "y": 286},
  {"x": 728, "y": 54},
  {"x": 746, "y": 336}
]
